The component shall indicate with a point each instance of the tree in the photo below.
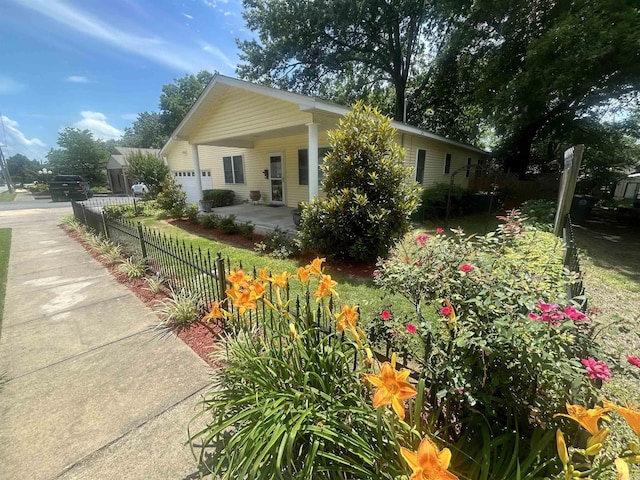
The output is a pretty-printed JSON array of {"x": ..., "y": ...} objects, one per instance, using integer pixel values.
[
  {"x": 368, "y": 200},
  {"x": 80, "y": 154},
  {"x": 177, "y": 98},
  {"x": 146, "y": 168},
  {"x": 302, "y": 44},
  {"x": 23, "y": 170},
  {"x": 538, "y": 68},
  {"x": 146, "y": 132}
]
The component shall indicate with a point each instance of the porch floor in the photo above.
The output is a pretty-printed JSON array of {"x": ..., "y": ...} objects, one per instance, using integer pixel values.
[{"x": 264, "y": 217}]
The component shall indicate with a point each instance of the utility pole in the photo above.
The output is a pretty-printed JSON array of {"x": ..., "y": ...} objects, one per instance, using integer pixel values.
[{"x": 5, "y": 172}]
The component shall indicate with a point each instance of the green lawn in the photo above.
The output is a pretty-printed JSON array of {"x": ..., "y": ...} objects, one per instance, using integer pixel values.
[
  {"x": 5, "y": 245},
  {"x": 351, "y": 290},
  {"x": 7, "y": 196}
]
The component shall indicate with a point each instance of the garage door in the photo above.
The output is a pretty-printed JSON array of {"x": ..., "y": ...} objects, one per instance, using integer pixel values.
[{"x": 187, "y": 179}]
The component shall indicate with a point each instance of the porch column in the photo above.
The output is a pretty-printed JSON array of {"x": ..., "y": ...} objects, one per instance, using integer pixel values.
[
  {"x": 196, "y": 168},
  {"x": 313, "y": 160}
]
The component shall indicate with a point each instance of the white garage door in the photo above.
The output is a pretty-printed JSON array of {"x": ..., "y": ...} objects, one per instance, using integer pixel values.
[{"x": 187, "y": 179}]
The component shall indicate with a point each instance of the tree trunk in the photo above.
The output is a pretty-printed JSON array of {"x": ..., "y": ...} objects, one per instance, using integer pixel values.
[{"x": 401, "y": 88}]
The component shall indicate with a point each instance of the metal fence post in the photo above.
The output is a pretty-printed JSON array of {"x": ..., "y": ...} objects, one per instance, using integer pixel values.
[
  {"x": 222, "y": 277},
  {"x": 84, "y": 215},
  {"x": 104, "y": 225},
  {"x": 143, "y": 247}
]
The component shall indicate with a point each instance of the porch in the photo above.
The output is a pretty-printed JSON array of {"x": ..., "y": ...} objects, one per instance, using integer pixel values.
[{"x": 264, "y": 217}]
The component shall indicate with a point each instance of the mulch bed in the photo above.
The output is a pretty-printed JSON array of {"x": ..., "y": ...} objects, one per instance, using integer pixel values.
[{"x": 203, "y": 337}]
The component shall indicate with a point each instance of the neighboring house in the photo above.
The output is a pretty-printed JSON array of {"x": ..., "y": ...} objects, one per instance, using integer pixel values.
[
  {"x": 247, "y": 137},
  {"x": 116, "y": 172},
  {"x": 629, "y": 188}
]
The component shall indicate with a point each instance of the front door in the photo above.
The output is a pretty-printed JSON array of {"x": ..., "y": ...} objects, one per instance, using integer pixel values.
[{"x": 276, "y": 176}]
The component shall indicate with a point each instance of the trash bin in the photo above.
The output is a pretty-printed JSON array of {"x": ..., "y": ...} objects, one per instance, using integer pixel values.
[{"x": 581, "y": 205}]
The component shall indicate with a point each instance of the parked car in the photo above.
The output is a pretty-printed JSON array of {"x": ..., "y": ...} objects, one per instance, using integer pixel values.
[
  {"x": 69, "y": 187},
  {"x": 139, "y": 189}
]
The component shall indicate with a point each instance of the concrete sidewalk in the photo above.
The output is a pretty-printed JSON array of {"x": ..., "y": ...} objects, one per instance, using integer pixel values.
[{"x": 92, "y": 391}]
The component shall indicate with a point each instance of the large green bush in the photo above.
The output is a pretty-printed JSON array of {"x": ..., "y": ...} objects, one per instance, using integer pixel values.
[
  {"x": 219, "y": 197},
  {"x": 368, "y": 199},
  {"x": 471, "y": 332}
]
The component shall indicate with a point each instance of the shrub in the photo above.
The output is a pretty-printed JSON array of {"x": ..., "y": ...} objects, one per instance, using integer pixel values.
[
  {"x": 539, "y": 213},
  {"x": 191, "y": 213},
  {"x": 278, "y": 244},
  {"x": 132, "y": 268},
  {"x": 434, "y": 202},
  {"x": 171, "y": 198},
  {"x": 477, "y": 333},
  {"x": 220, "y": 198},
  {"x": 368, "y": 200},
  {"x": 228, "y": 225},
  {"x": 246, "y": 228},
  {"x": 210, "y": 221},
  {"x": 148, "y": 169}
]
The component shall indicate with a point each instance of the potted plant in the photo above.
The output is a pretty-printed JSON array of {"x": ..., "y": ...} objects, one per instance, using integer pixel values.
[{"x": 206, "y": 204}]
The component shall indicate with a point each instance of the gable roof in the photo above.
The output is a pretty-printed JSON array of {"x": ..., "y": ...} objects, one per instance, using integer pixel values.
[
  {"x": 213, "y": 91},
  {"x": 118, "y": 158}
]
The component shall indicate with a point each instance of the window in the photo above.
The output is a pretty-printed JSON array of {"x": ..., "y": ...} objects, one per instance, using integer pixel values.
[
  {"x": 447, "y": 163},
  {"x": 233, "y": 171},
  {"x": 303, "y": 164},
  {"x": 479, "y": 168},
  {"x": 420, "y": 159},
  {"x": 468, "y": 167}
]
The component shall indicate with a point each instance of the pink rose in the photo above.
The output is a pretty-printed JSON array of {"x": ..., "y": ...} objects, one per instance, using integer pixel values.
[
  {"x": 385, "y": 315},
  {"x": 411, "y": 329},
  {"x": 439, "y": 231},
  {"x": 376, "y": 273},
  {"x": 596, "y": 369},
  {"x": 633, "y": 360},
  {"x": 546, "y": 307},
  {"x": 575, "y": 315},
  {"x": 445, "y": 311},
  {"x": 465, "y": 267},
  {"x": 422, "y": 239}
]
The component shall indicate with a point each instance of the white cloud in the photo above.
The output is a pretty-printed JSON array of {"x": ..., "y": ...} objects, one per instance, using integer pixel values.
[
  {"x": 15, "y": 141},
  {"x": 96, "y": 123},
  {"x": 215, "y": 51},
  {"x": 152, "y": 47},
  {"x": 9, "y": 85},
  {"x": 190, "y": 17},
  {"x": 77, "y": 79}
]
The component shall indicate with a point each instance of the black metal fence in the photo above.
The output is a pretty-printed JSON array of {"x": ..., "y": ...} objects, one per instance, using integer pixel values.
[{"x": 182, "y": 266}]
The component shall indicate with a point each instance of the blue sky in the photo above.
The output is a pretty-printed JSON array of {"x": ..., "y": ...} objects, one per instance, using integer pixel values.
[{"x": 96, "y": 64}]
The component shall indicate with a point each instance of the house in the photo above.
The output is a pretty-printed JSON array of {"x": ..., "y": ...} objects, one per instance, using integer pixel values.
[
  {"x": 116, "y": 172},
  {"x": 629, "y": 188},
  {"x": 252, "y": 138}
]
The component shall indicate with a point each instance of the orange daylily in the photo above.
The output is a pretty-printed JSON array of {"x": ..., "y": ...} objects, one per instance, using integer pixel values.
[
  {"x": 588, "y": 418},
  {"x": 325, "y": 287},
  {"x": 427, "y": 463},
  {"x": 238, "y": 277},
  {"x": 263, "y": 276},
  {"x": 243, "y": 299},
  {"x": 257, "y": 289},
  {"x": 280, "y": 279},
  {"x": 346, "y": 320},
  {"x": 392, "y": 387},
  {"x": 215, "y": 312},
  {"x": 315, "y": 267},
  {"x": 630, "y": 414},
  {"x": 303, "y": 274}
]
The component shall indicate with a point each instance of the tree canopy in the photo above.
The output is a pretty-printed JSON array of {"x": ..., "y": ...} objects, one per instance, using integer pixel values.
[
  {"x": 178, "y": 97},
  {"x": 519, "y": 72},
  {"x": 146, "y": 132},
  {"x": 23, "y": 170},
  {"x": 302, "y": 45},
  {"x": 146, "y": 168},
  {"x": 80, "y": 154}
]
